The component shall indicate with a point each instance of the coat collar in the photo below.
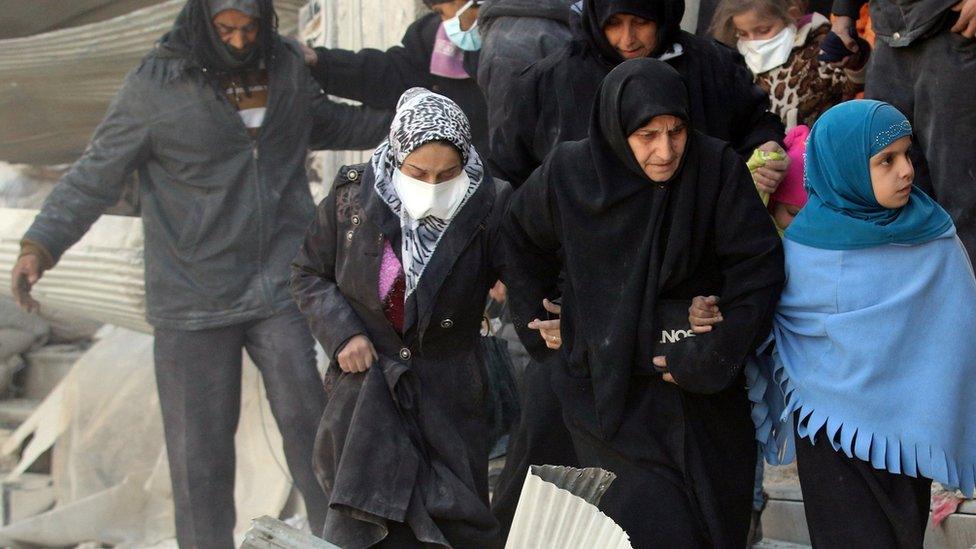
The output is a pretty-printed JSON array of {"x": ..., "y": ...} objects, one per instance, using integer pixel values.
[{"x": 470, "y": 219}]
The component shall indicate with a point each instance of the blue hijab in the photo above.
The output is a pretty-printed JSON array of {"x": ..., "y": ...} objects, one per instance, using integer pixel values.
[{"x": 842, "y": 212}]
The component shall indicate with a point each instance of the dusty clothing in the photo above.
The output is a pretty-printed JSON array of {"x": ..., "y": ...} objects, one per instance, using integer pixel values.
[
  {"x": 880, "y": 509},
  {"x": 804, "y": 87},
  {"x": 552, "y": 100},
  {"x": 198, "y": 374},
  {"x": 703, "y": 232},
  {"x": 223, "y": 213},
  {"x": 377, "y": 78},
  {"x": 515, "y": 34},
  {"x": 429, "y": 386}
]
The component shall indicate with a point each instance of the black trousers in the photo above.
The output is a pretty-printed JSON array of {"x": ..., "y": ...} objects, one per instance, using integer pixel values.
[
  {"x": 849, "y": 503},
  {"x": 198, "y": 374},
  {"x": 540, "y": 438},
  {"x": 931, "y": 82}
]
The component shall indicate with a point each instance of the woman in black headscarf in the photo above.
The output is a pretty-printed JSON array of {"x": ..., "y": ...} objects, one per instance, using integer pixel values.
[
  {"x": 553, "y": 98},
  {"x": 637, "y": 219}
]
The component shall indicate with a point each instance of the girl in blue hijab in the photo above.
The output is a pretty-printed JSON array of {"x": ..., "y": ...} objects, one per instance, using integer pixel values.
[{"x": 874, "y": 367}]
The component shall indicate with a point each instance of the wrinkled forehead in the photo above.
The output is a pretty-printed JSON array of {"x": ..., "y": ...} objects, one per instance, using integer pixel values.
[{"x": 247, "y": 7}]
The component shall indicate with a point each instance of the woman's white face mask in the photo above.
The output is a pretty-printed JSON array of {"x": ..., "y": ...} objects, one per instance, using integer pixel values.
[
  {"x": 764, "y": 55},
  {"x": 421, "y": 199}
]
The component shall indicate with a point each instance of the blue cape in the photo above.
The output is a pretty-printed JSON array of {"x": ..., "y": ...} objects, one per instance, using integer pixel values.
[{"x": 878, "y": 346}]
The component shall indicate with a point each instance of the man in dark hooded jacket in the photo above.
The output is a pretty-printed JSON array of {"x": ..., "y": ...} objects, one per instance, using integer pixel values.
[{"x": 217, "y": 121}]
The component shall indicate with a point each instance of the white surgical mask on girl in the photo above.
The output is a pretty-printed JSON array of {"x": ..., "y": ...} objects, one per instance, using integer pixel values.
[
  {"x": 467, "y": 40},
  {"x": 421, "y": 199},
  {"x": 764, "y": 55}
]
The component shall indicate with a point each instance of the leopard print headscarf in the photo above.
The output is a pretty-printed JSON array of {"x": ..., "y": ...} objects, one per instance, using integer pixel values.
[{"x": 421, "y": 117}]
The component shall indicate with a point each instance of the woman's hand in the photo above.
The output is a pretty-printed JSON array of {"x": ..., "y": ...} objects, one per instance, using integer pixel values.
[
  {"x": 498, "y": 292},
  {"x": 357, "y": 355},
  {"x": 966, "y": 24},
  {"x": 662, "y": 363},
  {"x": 704, "y": 313},
  {"x": 771, "y": 174},
  {"x": 549, "y": 329}
]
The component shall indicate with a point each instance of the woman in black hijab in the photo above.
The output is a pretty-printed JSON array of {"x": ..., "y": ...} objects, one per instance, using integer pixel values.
[
  {"x": 553, "y": 98},
  {"x": 635, "y": 230}
]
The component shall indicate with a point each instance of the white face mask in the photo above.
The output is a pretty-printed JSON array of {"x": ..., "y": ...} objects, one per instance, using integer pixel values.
[
  {"x": 421, "y": 199},
  {"x": 764, "y": 55}
]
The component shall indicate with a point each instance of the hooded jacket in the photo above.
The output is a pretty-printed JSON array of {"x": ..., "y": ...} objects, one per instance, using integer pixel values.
[
  {"x": 514, "y": 35},
  {"x": 223, "y": 213}
]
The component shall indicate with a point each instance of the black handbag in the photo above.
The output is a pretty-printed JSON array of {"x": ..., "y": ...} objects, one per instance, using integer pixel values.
[
  {"x": 671, "y": 326},
  {"x": 502, "y": 398}
]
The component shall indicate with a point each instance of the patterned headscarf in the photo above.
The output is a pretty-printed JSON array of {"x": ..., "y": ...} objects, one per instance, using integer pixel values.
[{"x": 422, "y": 117}]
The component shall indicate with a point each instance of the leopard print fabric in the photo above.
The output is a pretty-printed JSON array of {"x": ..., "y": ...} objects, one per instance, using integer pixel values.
[{"x": 804, "y": 87}]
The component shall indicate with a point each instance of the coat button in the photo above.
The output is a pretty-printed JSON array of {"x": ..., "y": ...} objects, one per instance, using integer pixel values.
[
  {"x": 447, "y": 323},
  {"x": 355, "y": 220},
  {"x": 896, "y": 35},
  {"x": 351, "y": 175},
  {"x": 349, "y": 235},
  {"x": 405, "y": 353}
]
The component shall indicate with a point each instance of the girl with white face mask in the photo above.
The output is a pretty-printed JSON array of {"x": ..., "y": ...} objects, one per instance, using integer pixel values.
[
  {"x": 393, "y": 278},
  {"x": 781, "y": 46}
]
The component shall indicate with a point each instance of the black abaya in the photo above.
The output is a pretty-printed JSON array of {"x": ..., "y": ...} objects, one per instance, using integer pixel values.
[
  {"x": 623, "y": 243},
  {"x": 552, "y": 99}
]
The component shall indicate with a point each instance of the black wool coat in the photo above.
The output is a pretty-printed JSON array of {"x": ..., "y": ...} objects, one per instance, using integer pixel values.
[
  {"x": 406, "y": 441},
  {"x": 552, "y": 100}
]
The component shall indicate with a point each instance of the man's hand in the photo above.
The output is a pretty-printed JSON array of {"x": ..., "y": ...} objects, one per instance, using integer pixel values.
[
  {"x": 27, "y": 271},
  {"x": 311, "y": 58},
  {"x": 966, "y": 25},
  {"x": 662, "y": 362},
  {"x": 704, "y": 313},
  {"x": 771, "y": 174},
  {"x": 549, "y": 329},
  {"x": 357, "y": 355}
]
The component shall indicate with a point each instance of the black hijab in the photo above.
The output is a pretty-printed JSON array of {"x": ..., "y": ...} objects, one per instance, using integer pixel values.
[
  {"x": 625, "y": 244},
  {"x": 666, "y": 13},
  {"x": 613, "y": 257},
  {"x": 193, "y": 36}
]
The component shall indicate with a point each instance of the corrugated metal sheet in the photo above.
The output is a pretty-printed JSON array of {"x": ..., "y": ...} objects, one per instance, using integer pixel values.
[
  {"x": 550, "y": 515},
  {"x": 55, "y": 86},
  {"x": 100, "y": 277},
  {"x": 27, "y": 17}
]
